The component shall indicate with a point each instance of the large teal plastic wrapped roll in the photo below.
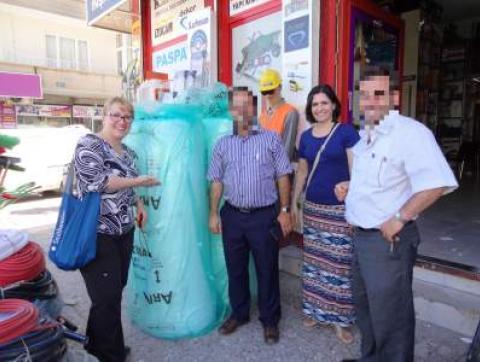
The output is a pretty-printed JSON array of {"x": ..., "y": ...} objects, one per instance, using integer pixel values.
[
  {"x": 178, "y": 284},
  {"x": 171, "y": 288}
]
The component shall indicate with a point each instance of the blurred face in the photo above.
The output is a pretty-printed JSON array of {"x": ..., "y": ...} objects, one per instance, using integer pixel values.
[
  {"x": 116, "y": 123},
  {"x": 375, "y": 98},
  {"x": 242, "y": 109},
  {"x": 322, "y": 108},
  {"x": 273, "y": 95}
]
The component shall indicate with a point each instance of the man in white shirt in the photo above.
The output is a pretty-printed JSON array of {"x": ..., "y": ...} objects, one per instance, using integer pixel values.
[{"x": 398, "y": 171}]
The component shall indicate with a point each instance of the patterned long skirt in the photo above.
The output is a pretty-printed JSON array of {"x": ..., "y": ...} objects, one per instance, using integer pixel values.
[{"x": 327, "y": 259}]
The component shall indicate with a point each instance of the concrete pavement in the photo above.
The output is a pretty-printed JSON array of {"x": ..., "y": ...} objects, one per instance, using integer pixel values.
[{"x": 296, "y": 344}]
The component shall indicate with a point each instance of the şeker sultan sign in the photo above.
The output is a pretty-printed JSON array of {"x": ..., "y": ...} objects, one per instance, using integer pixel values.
[{"x": 165, "y": 15}]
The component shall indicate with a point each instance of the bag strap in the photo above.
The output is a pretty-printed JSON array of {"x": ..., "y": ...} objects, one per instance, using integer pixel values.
[
  {"x": 319, "y": 153},
  {"x": 143, "y": 240},
  {"x": 69, "y": 181}
]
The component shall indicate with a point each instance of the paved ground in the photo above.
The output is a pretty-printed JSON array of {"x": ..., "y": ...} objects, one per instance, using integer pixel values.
[
  {"x": 433, "y": 344},
  {"x": 450, "y": 228}
]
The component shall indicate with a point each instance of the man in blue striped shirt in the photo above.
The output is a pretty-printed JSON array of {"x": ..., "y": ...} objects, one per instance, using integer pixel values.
[{"x": 247, "y": 167}]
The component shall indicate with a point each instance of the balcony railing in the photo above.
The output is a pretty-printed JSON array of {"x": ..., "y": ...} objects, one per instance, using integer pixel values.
[{"x": 68, "y": 64}]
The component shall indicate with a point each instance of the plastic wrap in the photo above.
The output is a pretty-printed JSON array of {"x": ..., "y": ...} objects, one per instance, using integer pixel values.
[
  {"x": 172, "y": 291},
  {"x": 178, "y": 284}
]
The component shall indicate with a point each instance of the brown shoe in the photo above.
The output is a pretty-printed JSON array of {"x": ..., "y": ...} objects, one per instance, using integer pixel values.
[
  {"x": 271, "y": 334},
  {"x": 230, "y": 326}
]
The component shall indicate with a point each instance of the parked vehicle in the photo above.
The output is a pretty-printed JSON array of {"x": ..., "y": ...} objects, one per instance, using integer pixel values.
[{"x": 44, "y": 153}]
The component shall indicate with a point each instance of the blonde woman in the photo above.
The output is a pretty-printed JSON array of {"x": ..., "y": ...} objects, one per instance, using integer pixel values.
[{"x": 104, "y": 164}]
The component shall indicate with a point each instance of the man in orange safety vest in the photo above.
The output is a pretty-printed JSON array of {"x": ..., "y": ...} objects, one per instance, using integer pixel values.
[{"x": 279, "y": 117}]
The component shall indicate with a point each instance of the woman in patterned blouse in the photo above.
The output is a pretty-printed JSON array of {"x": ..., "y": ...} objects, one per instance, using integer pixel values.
[{"x": 104, "y": 164}]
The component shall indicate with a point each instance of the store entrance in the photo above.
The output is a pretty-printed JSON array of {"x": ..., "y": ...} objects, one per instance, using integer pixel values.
[
  {"x": 432, "y": 48},
  {"x": 448, "y": 102}
]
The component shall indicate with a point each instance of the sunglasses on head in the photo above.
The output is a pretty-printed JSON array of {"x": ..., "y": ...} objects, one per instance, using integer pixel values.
[{"x": 264, "y": 93}]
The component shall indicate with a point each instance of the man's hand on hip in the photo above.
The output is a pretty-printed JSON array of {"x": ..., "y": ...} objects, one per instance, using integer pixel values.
[{"x": 390, "y": 229}]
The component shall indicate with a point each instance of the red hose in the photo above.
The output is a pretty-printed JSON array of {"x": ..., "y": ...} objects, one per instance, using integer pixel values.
[
  {"x": 21, "y": 318},
  {"x": 25, "y": 264}
]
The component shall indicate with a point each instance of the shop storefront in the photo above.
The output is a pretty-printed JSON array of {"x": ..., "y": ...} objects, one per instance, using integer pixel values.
[
  {"x": 43, "y": 115},
  {"x": 197, "y": 42},
  {"x": 88, "y": 116},
  {"x": 285, "y": 35},
  {"x": 8, "y": 115},
  {"x": 15, "y": 86}
]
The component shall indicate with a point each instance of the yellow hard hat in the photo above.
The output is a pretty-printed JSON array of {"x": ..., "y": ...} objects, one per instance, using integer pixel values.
[{"x": 270, "y": 79}]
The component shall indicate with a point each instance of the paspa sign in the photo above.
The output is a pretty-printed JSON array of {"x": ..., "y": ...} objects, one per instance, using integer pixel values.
[
  {"x": 170, "y": 57},
  {"x": 239, "y": 6},
  {"x": 97, "y": 9}
]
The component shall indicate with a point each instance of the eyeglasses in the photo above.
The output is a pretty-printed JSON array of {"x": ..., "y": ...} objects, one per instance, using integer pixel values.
[
  {"x": 118, "y": 117},
  {"x": 264, "y": 93}
]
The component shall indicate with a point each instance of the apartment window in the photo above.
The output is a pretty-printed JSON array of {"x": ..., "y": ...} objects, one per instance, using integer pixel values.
[
  {"x": 124, "y": 52},
  {"x": 119, "y": 41},
  {"x": 119, "y": 62},
  {"x": 51, "y": 47},
  {"x": 82, "y": 55},
  {"x": 66, "y": 53}
]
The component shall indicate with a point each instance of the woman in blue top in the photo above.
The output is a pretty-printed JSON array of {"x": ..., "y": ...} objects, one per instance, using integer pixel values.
[{"x": 327, "y": 238}]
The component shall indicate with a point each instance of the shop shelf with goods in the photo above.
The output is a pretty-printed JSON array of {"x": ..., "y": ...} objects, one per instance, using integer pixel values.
[
  {"x": 452, "y": 96},
  {"x": 473, "y": 87},
  {"x": 429, "y": 63}
]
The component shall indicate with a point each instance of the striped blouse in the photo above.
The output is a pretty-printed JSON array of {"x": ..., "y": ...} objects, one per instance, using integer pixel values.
[
  {"x": 248, "y": 168},
  {"x": 95, "y": 161}
]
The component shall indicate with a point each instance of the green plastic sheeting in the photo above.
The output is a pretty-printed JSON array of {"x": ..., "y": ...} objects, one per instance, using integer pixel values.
[{"x": 177, "y": 283}]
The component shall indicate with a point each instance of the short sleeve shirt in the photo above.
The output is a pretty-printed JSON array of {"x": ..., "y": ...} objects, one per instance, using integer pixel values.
[
  {"x": 333, "y": 165},
  {"x": 401, "y": 159},
  {"x": 248, "y": 168}
]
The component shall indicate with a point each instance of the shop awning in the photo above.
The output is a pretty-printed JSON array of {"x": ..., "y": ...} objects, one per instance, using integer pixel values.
[
  {"x": 20, "y": 85},
  {"x": 116, "y": 15}
]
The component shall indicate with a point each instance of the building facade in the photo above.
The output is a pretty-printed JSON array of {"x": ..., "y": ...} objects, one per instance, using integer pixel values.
[{"x": 78, "y": 66}]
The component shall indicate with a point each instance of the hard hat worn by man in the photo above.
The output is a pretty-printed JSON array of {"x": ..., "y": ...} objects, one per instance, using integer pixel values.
[{"x": 279, "y": 117}]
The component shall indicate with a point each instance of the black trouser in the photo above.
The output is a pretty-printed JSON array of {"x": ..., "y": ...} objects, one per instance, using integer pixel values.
[
  {"x": 242, "y": 233},
  {"x": 105, "y": 278},
  {"x": 382, "y": 293}
]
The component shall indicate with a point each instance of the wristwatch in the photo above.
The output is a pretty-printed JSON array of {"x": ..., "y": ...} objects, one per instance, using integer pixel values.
[
  {"x": 398, "y": 216},
  {"x": 285, "y": 209}
]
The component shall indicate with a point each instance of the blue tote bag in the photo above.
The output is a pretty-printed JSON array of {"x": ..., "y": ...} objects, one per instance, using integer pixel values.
[{"x": 74, "y": 240}]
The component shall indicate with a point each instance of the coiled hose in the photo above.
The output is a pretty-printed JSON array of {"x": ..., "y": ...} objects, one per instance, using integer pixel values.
[
  {"x": 26, "y": 264},
  {"x": 19, "y": 317},
  {"x": 45, "y": 345},
  {"x": 23, "y": 337},
  {"x": 42, "y": 287}
]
